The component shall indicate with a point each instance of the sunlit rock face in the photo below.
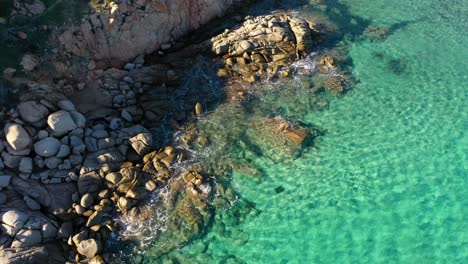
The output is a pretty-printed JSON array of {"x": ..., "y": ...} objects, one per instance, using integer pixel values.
[{"x": 120, "y": 32}]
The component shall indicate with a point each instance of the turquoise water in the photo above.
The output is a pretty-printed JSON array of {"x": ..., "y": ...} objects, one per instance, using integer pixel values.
[{"x": 387, "y": 181}]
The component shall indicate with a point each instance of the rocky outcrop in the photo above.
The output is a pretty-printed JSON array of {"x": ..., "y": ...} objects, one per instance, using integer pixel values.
[
  {"x": 122, "y": 31},
  {"x": 264, "y": 46}
]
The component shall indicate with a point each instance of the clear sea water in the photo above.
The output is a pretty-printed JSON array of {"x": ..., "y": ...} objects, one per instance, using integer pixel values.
[{"x": 387, "y": 182}]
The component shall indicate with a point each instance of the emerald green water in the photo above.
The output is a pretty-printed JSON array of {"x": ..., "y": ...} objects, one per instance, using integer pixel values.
[{"x": 387, "y": 181}]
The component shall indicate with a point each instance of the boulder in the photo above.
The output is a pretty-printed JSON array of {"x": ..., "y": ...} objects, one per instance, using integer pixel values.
[
  {"x": 89, "y": 247},
  {"x": 16, "y": 136},
  {"x": 61, "y": 123},
  {"x": 27, "y": 238},
  {"x": 47, "y": 147},
  {"x": 142, "y": 143},
  {"x": 14, "y": 218},
  {"x": 32, "y": 111}
]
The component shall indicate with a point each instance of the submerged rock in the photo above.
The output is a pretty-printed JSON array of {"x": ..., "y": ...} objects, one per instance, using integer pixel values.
[{"x": 278, "y": 138}]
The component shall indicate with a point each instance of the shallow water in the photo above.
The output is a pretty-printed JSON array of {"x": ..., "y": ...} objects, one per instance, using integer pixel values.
[{"x": 386, "y": 182}]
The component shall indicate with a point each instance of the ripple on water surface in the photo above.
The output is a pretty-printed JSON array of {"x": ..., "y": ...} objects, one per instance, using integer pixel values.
[{"x": 387, "y": 181}]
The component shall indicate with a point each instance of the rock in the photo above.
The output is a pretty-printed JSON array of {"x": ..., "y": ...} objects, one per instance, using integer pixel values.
[
  {"x": 89, "y": 248},
  {"x": 23, "y": 152},
  {"x": 42, "y": 134},
  {"x": 16, "y": 136},
  {"x": 76, "y": 159},
  {"x": 39, "y": 161},
  {"x": 29, "y": 62},
  {"x": 87, "y": 200},
  {"x": 52, "y": 162},
  {"x": 100, "y": 134},
  {"x": 47, "y": 147},
  {"x": 278, "y": 138},
  {"x": 5, "y": 181},
  {"x": 127, "y": 116},
  {"x": 142, "y": 143},
  {"x": 33, "y": 223},
  {"x": 11, "y": 161},
  {"x": 75, "y": 141},
  {"x": 91, "y": 65},
  {"x": 150, "y": 185},
  {"x": 26, "y": 165},
  {"x": 66, "y": 105},
  {"x": 198, "y": 109},
  {"x": 78, "y": 118},
  {"x": 61, "y": 123},
  {"x": 106, "y": 143},
  {"x": 65, "y": 231},
  {"x": 3, "y": 198},
  {"x": 116, "y": 124},
  {"x": 64, "y": 151},
  {"x": 27, "y": 238},
  {"x": 33, "y": 205},
  {"x": 94, "y": 219},
  {"x": 32, "y": 111},
  {"x": 89, "y": 182},
  {"x": 14, "y": 218},
  {"x": 113, "y": 177},
  {"x": 112, "y": 156},
  {"x": 48, "y": 230}
]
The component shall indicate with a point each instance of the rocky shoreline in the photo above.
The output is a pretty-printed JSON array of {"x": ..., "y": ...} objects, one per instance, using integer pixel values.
[{"x": 81, "y": 156}]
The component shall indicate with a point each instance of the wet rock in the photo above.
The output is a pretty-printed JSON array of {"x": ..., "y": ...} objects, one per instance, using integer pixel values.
[
  {"x": 16, "y": 136},
  {"x": 27, "y": 238},
  {"x": 89, "y": 247},
  {"x": 32, "y": 111},
  {"x": 47, "y": 147},
  {"x": 111, "y": 156},
  {"x": 61, "y": 123}
]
